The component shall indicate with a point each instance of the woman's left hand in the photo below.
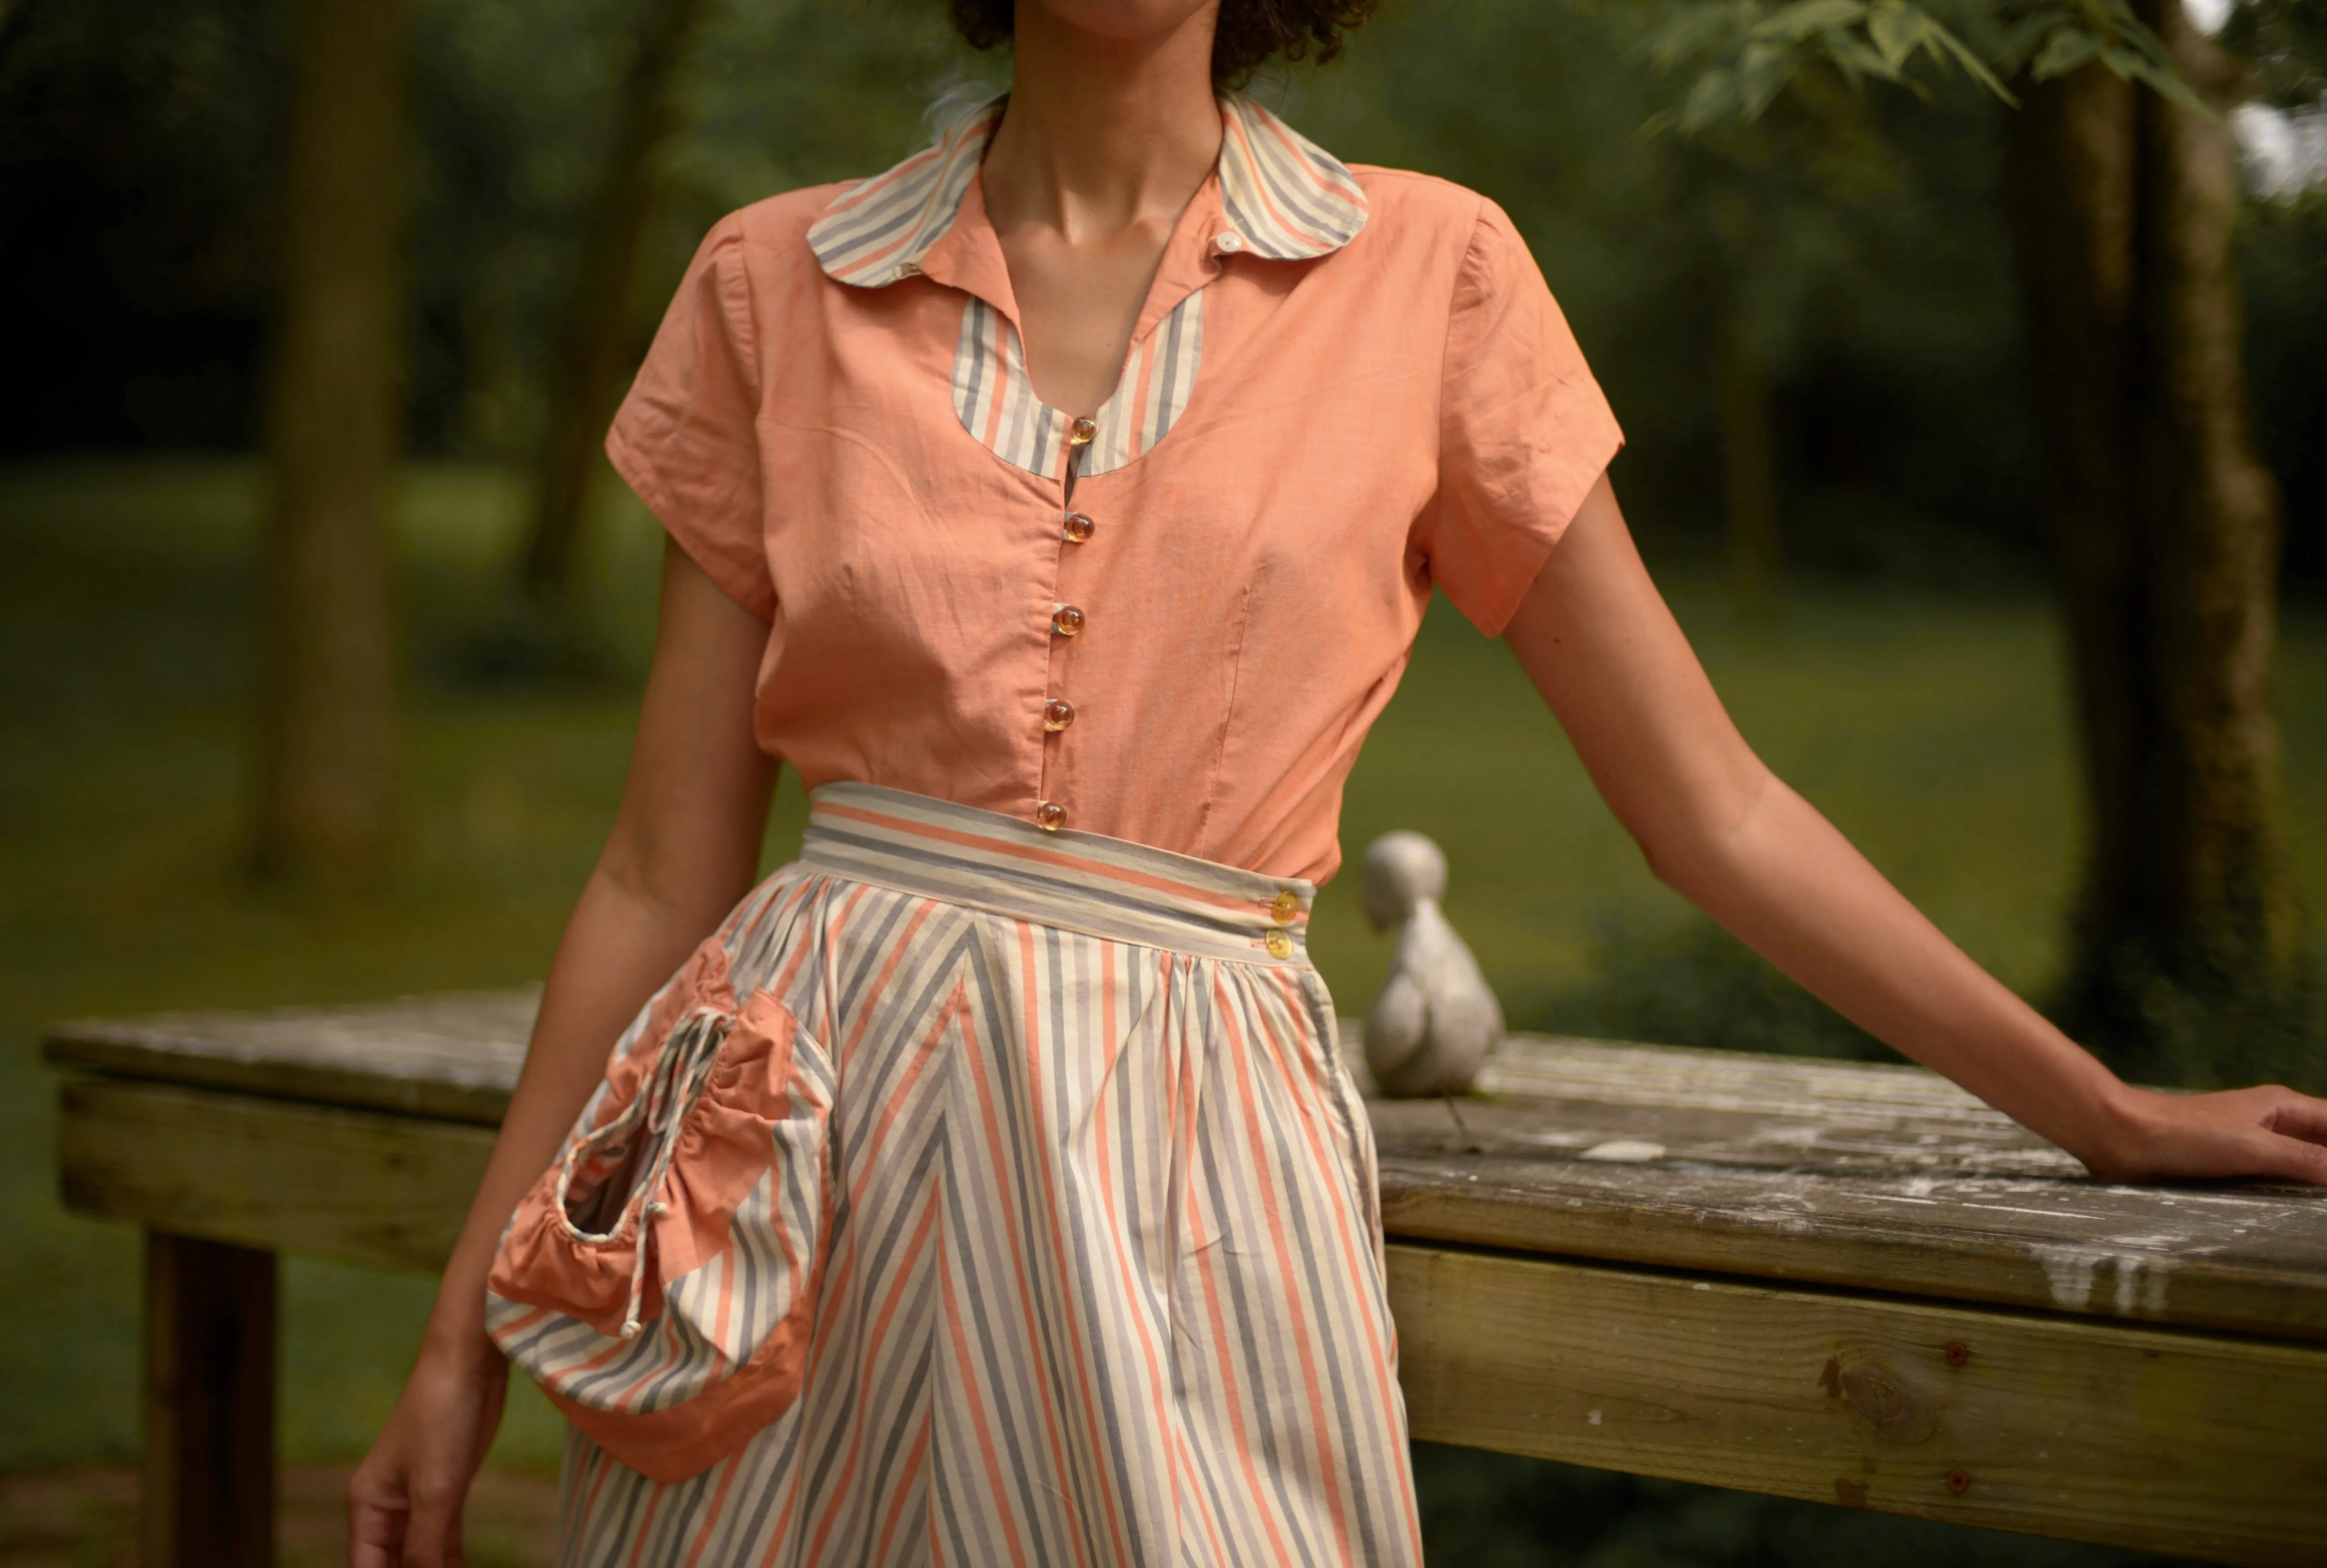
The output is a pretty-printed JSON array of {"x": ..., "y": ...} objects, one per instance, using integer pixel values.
[{"x": 2267, "y": 1131}]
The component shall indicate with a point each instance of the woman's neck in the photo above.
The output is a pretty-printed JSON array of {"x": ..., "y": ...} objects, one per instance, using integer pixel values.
[{"x": 1104, "y": 132}]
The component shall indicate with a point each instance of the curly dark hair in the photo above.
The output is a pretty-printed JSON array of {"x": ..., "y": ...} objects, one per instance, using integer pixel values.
[{"x": 1249, "y": 34}]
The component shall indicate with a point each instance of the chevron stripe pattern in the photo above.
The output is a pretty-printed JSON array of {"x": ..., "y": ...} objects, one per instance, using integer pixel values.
[{"x": 1103, "y": 1280}]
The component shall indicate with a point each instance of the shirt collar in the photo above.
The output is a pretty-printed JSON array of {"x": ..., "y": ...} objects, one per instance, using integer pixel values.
[{"x": 1286, "y": 197}]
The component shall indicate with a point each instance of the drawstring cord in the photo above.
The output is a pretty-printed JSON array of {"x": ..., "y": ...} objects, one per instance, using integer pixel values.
[
  {"x": 679, "y": 1075},
  {"x": 681, "y": 1070}
]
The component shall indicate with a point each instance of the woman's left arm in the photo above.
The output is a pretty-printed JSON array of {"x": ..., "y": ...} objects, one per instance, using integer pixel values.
[{"x": 1720, "y": 828}]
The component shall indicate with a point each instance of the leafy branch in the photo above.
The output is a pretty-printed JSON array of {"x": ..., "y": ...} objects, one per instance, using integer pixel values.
[{"x": 1744, "y": 52}]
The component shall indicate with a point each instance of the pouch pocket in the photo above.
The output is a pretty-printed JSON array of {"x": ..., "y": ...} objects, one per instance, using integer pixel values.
[{"x": 659, "y": 1280}]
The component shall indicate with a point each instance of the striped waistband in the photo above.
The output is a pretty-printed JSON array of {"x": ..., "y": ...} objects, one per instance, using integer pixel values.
[{"x": 1077, "y": 882}]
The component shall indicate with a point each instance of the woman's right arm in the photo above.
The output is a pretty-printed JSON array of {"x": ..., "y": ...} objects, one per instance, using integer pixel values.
[{"x": 684, "y": 850}]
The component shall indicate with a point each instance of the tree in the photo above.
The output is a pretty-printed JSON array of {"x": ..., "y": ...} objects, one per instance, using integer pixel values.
[
  {"x": 595, "y": 348},
  {"x": 327, "y": 744},
  {"x": 2187, "y": 957}
]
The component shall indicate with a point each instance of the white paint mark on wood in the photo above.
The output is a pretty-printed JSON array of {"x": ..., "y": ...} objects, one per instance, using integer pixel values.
[
  {"x": 1625, "y": 1150},
  {"x": 2140, "y": 1286}
]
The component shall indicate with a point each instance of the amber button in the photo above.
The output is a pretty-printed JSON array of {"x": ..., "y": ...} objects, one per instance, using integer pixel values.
[
  {"x": 1079, "y": 433},
  {"x": 1079, "y": 527},
  {"x": 1286, "y": 906},
  {"x": 1058, "y": 713},
  {"x": 1065, "y": 620},
  {"x": 1048, "y": 813},
  {"x": 1280, "y": 946}
]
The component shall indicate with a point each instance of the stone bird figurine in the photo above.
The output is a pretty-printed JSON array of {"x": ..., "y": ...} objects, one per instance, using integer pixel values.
[{"x": 1436, "y": 1020}]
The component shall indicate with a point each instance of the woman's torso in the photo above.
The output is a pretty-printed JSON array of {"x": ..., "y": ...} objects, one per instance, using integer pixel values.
[{"x": 1265, "y": 492}]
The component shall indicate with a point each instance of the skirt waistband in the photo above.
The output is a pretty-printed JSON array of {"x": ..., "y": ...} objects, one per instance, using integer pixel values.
[{"x": 1080, "y": 881}]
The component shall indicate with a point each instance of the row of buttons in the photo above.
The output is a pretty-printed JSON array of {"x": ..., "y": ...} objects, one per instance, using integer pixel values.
[
  {"x": 1067, "y": 620},
  {"x": 1284, "y": 907}
]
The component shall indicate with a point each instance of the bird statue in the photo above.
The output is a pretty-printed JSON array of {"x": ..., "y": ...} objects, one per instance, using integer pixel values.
[{"x": 1436, "y": 1019}]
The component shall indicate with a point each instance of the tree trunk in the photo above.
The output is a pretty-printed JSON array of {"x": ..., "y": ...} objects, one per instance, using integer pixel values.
[
  {"x": 2186, "y": 950},
  {"x": 596, "y": 343},
  {"x": 327, "y": 752}
]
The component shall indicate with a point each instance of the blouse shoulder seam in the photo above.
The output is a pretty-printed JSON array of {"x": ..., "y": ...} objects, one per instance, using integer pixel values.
[
  {"x": 1454, "y": 300},
  {"x": 735, "y": 241}
]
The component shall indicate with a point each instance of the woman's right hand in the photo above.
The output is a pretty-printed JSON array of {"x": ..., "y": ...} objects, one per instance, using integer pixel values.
[{"x": 404, "y": 1504}]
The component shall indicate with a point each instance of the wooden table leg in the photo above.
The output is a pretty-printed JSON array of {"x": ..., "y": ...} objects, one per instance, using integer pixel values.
[{"x": 209, "y": 1499}]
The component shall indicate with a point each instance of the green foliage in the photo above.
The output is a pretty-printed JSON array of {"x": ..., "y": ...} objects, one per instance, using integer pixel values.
[
  {"x": 2286, "y": 41},
  {"x": 1744, "y": 52}
]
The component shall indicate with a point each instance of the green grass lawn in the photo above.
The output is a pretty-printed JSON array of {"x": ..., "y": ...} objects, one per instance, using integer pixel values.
[{"x": 1931, "y": 728}]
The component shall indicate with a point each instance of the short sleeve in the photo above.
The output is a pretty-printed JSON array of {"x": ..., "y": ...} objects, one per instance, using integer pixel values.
[
  {"x": 686, "y": 437},
  {"x": 1524, "y": 429}
]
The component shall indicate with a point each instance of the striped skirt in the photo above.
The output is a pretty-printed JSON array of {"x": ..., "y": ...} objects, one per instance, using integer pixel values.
[{"x": 1085, "y": 1259}]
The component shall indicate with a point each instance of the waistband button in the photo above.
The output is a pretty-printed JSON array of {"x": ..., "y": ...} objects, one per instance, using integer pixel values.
[
  {"x": 1280, "y": 946},
  {"x": 1287, "y": 905}
]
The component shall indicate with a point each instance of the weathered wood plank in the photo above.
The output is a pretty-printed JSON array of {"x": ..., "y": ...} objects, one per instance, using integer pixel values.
[
  {"x": 269, "y": 1174},
  {"x": 2176, "y": 1441},
  {"x": 453, "y": 1056},
  {"x": 2181, "y": 1440},
  {"x": 1862, "y": 1174},
  {"x": 1842, "y": 1172},
  {"x": 208, "y": 1492},
  {"x": 2194, "y": 1256}
]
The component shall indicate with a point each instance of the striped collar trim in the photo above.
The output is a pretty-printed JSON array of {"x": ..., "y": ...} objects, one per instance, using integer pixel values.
[{"x": 1286, "y": 197}]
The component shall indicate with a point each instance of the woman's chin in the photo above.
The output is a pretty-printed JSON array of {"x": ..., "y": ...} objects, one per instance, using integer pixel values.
[{"x": 1117, "y": 21}]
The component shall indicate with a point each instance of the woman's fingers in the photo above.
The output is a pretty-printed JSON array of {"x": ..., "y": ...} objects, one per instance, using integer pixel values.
[
  {"x": 404, "y": 1505},
  {"x": 376, "y": 1524},
  {"x": 2296, "y": 1116},
  {"x": 2294, "y": 1159},
  {"x": 2269, "y": 1131}
]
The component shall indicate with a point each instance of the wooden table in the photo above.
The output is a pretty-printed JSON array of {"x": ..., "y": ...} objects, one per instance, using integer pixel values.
[{"x": 1846, "y": 1283}]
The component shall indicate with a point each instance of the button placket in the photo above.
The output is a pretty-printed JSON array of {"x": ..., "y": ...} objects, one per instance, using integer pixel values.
[{"x": 1067, "y": 620}]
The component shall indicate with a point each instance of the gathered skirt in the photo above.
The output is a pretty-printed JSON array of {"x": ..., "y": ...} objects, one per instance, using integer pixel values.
[{"x": 1085, "y": 1266}]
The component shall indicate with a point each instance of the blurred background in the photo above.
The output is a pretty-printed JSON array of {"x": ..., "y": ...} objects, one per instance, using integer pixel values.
[{"x": 1957, "y": 527}]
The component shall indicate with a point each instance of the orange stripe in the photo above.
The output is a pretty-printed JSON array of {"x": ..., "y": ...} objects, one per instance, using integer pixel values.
[
  {"x": 998, "y": 386},
  {"x": 1231, "y": 1381},
  {"x": 989, "y": 1450},
  {"x": 913, "y": 1457},
  {"x": 1277, "y": 131},
  {"x": 646, "y": 1524},
  {"x": 1031, "y": 984},
  {"x": 999, "y": 1146},
  {"x": 1263, "y": 1171},
  {"x": 1145, "y": 356},
  {"x": 1110, "y": 1189},
  {"x": 859, "y": 263},
  {"x": 866, "y": 1361},
  {"x": 1361, "y": 1287},
  {"x": 1089, "y": 868},
  {"x": 707, "y": 1526},
  {"x": 1260, "y": 188}
]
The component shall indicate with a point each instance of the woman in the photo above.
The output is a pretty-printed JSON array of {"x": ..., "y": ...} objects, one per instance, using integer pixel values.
[{"x": 1062, "y": 503}]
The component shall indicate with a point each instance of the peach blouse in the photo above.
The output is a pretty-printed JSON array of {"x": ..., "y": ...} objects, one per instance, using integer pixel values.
[{"x": 1346, "y": 384}]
